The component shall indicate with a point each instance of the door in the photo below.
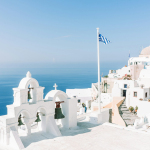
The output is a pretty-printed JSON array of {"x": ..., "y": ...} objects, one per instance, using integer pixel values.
[{"x": 124, "y": 93}]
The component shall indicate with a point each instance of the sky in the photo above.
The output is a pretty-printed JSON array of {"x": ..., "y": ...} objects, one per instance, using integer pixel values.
[{"x": 64, "y": 31}]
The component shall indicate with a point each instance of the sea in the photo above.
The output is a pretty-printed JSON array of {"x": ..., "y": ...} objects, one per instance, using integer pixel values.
[{"x": 66, "y": 76}]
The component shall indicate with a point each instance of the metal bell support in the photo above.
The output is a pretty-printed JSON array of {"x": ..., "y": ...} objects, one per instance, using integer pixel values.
[
  {"x": 20, "y": 121},
  {"x": 38, "y": 118},
  {"x": 58, "y": 112}
]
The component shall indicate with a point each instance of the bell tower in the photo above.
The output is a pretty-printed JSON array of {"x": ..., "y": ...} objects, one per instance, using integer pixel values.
[{"x": 28, "y": 89}]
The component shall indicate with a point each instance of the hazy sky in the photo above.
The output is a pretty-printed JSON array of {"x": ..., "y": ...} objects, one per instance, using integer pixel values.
[{"x": 65, "y": 30}]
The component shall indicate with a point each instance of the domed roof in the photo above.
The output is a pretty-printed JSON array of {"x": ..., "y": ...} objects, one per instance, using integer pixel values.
[
  {"x": 24, "y": 83},
  {"x": 146, "y": 51}
]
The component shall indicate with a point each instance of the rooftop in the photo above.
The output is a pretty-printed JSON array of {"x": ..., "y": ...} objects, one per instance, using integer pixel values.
[{"x": 88, "y": 137}]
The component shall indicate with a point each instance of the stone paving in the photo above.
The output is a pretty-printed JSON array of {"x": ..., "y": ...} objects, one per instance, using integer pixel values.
[
  {"x": 127, "y": 116},
  {"x": 88, "y": 137}
]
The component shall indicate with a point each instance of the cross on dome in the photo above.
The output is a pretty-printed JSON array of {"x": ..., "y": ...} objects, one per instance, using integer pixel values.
[{"x": 55, "y": 86}]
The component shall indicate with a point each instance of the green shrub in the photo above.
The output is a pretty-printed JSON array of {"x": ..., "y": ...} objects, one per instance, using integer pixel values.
[
  {"x": 136, "y": 108},
  {"x": 83, "y": 105},
  {"x": 106, "y": 76},
  {"x": 131, "y": 108}
]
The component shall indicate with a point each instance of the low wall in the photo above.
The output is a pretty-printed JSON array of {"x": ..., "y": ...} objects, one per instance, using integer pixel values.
[
  {"x": 116, "y": 118},
  {"x": 100, "y": 118},
  {"x": 143, "y": 109}
]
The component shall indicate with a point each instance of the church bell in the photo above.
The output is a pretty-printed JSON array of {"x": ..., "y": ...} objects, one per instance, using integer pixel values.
[
  {"x": 58, "y": 113},
  {"x": 38, "y": 118},
  {"x": 20, "y": 121},
  {"x": 29, "y": 95}
]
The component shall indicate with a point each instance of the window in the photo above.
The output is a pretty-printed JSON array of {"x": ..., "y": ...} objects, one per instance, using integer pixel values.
[
  {"x": 135, "y": 94},
  {"x": 125, "y": 85},
  {"x": 145, "y": 94}
]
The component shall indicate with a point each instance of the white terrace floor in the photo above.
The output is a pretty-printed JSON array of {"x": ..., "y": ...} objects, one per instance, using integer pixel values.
[{"x": 88, "y": 137}]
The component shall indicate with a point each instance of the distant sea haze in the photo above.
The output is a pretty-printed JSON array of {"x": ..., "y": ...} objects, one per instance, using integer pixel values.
[{"x": 67, "y": 76}]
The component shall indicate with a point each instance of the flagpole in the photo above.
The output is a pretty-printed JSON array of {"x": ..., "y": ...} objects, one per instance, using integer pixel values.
[{"x": 98, "y": 56}]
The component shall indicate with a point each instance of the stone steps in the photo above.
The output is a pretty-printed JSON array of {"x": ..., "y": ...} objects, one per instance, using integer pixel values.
[
  {"x": 127, "y": 116},
  {"x": 124, "y": 109}
]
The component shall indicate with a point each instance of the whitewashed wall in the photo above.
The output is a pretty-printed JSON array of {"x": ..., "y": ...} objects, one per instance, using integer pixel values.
[
  {"x": 134, "y": 101},
  {"x": 143, "y": 109}
]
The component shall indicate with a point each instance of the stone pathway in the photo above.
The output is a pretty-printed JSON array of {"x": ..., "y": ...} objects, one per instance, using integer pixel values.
[
  {"x": 127, "y": 116},
  {"x": 87, "y": 137}
]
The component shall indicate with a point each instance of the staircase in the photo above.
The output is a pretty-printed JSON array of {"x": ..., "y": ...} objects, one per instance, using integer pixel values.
[{"x": 127, "y": 116}]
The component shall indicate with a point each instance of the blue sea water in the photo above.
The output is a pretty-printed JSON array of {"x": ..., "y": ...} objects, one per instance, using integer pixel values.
[{"x": 66, "y": 76}]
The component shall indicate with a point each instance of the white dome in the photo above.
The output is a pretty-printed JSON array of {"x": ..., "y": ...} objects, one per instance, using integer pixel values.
[
  {"x": 24, "y": 83},
  {"x": 146, "y": 51}
]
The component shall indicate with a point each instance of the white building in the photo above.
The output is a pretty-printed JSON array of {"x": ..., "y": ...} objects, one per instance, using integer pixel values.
[
  {"x": 27, "y": 112},
  {"x": 134, "y": 83},
  {"x": 82, "y": 95}
]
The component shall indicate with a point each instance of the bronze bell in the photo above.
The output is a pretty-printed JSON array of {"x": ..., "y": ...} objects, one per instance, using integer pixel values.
[
  {"x": 20, "y": 121},
  {"x": 29, "y": 95},
  {"x": 58, "y": 112},
  {"x": 38, "y": 118}
]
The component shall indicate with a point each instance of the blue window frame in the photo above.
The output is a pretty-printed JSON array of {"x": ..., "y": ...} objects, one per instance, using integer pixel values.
[{"x": 125, "y": 85}]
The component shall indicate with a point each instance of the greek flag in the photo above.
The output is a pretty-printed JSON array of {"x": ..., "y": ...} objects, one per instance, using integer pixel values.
[{"x": 103, "y": 39}]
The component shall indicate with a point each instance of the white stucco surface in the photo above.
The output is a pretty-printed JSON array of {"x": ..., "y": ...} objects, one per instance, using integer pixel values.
[
  {"x": 82, "y": 94},
  {"x": 88, "y": 137},
  {"x": 27, "y": 110}
]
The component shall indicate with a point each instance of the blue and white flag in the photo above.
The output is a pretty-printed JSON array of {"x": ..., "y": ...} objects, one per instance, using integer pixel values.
[{"x": 103, "y": 39}]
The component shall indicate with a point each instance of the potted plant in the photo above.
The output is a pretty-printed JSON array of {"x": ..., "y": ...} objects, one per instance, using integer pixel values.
[
  {"x": 140, "y": 99},
  {"x": 131, "y": 108},
  {"x": 136, "y": 108}
]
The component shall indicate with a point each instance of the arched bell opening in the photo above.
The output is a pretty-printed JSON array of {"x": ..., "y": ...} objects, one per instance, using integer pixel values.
[
  {"x": 59, "y": 110},
  {"x": 31, "y": 93},
  {"x": 40, "y": 122},
  {"x": 23, "y": 124}
]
